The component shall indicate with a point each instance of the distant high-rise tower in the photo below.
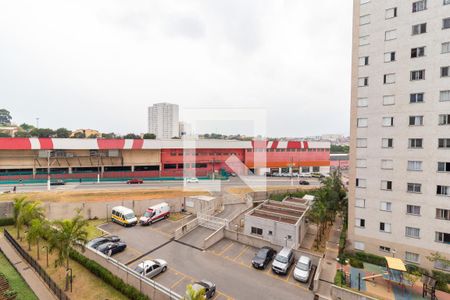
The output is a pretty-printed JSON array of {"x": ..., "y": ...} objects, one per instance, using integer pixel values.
[{"x": 163, "y": 120}]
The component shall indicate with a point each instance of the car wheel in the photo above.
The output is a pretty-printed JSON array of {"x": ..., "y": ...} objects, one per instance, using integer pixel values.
[
  {"x": 109, "y": 252},
  {"x": 164, "y": 269},
  {"x": 212, "y": 293}
]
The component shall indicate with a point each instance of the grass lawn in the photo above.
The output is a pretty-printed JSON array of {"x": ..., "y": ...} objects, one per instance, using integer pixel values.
[
  {"x": 92, "y": 229},
  {"x": 16, "y": 281},
  {"x": 85, "y": 284}
]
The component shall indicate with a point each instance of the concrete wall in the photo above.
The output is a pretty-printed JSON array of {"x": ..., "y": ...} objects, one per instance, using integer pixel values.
[
  {"x": 214, "y": 238},
  {"x": 338, "y": 293},
  {"x": 279, "y": 230},
  {"x": 185, "y": 229},
  {"x": 102, "y": 210},
  {"x": 6, "y": 210}
]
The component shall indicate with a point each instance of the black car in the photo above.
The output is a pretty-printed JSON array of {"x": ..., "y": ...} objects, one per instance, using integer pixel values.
[
  {"x": 57, "y": 182},
  {"x": 263, "y": 257},
  {"x": 95, "y": 243},
  {"x": 111, "y": 248},
  {"x": 303, "y": 182},
  {"x": 208, "y": 286}
]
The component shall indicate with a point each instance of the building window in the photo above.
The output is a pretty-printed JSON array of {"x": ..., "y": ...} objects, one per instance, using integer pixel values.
[
  {"x": 415, "y": 143},
  {"x": 363, "y": 81},
  {"x": 417, "y": 52},
  {"x": 389, "y": 56},
  {"x": 270, "y": 232},
  {"x": 419, "y": 6},
  {"x": 417, "y": 75},
  {"x": 389, "y": 100},
  {"x": 444, "y": 143},
  {"x": 361, "y": 143},
  {"x": 316, "y": 169},
  {"x": 414, "y": 165},
  {"x": 416, "y": 98},
  {"x": 443, "y": 166},
  {"x": 440, "y": 264},
  {"x": 415, "y": 120},
  {"x": 411, "y": 257},
  {"x": 361, "y": 203},
  {"x": 389, "y": 78},
  {"x": 412, "y": 232},
  {"x": 364, "y": 20},
  {"x": 390, "y": 35},
  {"x": 361, "y": 183},
  {"x": 361, "y": 163},
  {"x": 414, "y": 188},
  {"x": 443, "y": 214},
  {"x": 444, "y": 119},
  {"x": 445, "y": 47},
  {"x": 385, "y": 227},
  {"x": 386, "y": 185},
  {"x": 419, "y": 29},
  {"x": 391, "y": 13},
  {"x": 385, "y": 206},
  {"x": 443, "y": 190},
  {"x": 363, "y": 61},
  {"x": 446, "y": 23},
  {"x": 387, "y": 143},
  {"x": 445, "y": 71},
  {"x": 364, "y": 40},
  {"x": 360, "y": 223},
  {"x": 362, "y": 122},
  {"x": 359, "y": 246},
  {"x": 444, "y": 96},
  {"x": 413, "y": 210},
  {"x": 257, "y": 231},
  {"x": 385, "y": 249},
  {"x": 388, "y": 121},
  {"x": 442, "y": 237},
  {"x": 363, "y": 102},
  {"x": 387, "y": 164}
]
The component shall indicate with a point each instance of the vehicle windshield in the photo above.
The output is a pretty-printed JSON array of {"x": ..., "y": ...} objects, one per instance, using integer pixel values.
[
  {"x": 262, "y": 253},
  {"x": 281, "y": 259},
  {"x": 129, "y": 216},
  {"x": 198, "y": 287},
  {"x": 302, "y": 266},
  {"x": 148, "y": 214},
  {"x": 139, "y": 269}
]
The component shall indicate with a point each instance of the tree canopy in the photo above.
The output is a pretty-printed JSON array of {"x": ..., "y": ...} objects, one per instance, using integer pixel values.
[{"x": 5, "y": 117}]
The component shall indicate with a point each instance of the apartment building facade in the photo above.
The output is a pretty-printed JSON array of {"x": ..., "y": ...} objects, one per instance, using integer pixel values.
[
  {"x": 399, "y": 202},
  {"x": 163, "y": 120}
]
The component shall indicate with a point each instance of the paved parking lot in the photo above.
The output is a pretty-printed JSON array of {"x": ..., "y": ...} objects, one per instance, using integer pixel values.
[{"x": 227, "y": 264}]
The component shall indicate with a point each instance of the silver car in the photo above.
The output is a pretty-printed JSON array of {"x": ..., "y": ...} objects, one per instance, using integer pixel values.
[
  {"x": 302, "y": 269},
  {"x": 283, "y": 261},
  {"x": 151, "y": 268}
]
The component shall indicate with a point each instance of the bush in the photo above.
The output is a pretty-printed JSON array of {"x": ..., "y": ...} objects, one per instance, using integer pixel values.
[
  {"x": 6, "y": 221},
  {"x": 416, "y": 270},
  {"x": 371, "y": 258},
  {"x": 356, "y": 263},
  {"x": 109, "y": 278},
  {"x": 443, "y": 279},
  {"x": 339, "y": 278}
]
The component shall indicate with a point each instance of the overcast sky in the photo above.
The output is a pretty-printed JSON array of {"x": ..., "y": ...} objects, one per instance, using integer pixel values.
[{"x": 100, "y": 64}]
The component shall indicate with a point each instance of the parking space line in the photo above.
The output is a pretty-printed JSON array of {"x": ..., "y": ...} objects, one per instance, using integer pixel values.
[
  {"x": 228, "y": 247},
  {"x": 177, "y": 282},
  {"x": 242, "y": 252},
  {"x": 290, "y": 273}
]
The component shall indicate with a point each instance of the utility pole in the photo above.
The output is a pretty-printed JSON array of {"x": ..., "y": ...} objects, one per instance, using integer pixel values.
[
  {"x": 37, "y": 122},
  {"x": 48, "y": 170}
]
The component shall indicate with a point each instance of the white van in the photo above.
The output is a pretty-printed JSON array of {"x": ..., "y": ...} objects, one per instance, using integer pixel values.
[
  {"x": 123, "y": 216},
  {"x": 155, "y": 213}
]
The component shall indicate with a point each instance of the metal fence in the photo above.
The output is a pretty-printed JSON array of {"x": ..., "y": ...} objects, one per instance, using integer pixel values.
[{"x": 59, "y": 293}]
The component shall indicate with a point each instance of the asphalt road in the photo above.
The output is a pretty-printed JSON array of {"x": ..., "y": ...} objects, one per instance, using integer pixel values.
[{"x": 207, "y": 184}]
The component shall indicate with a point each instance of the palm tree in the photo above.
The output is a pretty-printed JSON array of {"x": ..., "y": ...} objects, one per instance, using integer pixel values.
[
  {"x": 38, "y": 230},
  {"x": 192, "y": 294},
  {"x": 67, "y": 234},
  {"x": 25, "y": 211}
]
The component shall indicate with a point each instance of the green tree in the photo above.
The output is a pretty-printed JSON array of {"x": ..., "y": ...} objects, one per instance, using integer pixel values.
[
  {"x": 63, "y": 133},
  {"x": 339, "y": 149},
  {"x": 132, "y": 136},
  {"x": 79, "y": 135},
  {"x": 149, "y": 136},
  {"x": 67, "y": 234},
  {"x": 192, "y": 294},
  {"x": 111, "y": 135},
  {"x": 4, "y": 134},
  {"x": 37, "y": 231},
  {"x": 25, "y": 211},
  {"x": 93, "y": 136},
  {"x": 436, "y": 256},
  {"x": 42, "y": 132},
  {"x": 23, "y": 134},
  {"x": 5, "y": 117},
  {"x": 26, "y": 127}
]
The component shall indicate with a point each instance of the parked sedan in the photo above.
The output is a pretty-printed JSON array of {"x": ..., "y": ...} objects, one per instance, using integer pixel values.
[
  {"x": 151, "y": 268},
  {"x": 112, "y": 248},
  {"x": 95, "y": 243},
  {"x": 57, "y": 182},
  {"x": 208, "y": 286},
  {"x": 302, "y": 269},
  {"x": 303, "y": 182},
  {"x": 263, "y": 257},
  {"x": 192, "y": 180},
  {"x": 135, "y": 181}
]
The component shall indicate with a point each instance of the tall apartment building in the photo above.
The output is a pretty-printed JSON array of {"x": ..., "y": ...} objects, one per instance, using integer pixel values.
[
  {"x": 399, "y": 202},
  {"x": 163, "y": 120}
]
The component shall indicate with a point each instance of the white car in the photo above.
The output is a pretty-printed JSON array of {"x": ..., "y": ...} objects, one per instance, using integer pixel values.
[
  {"x": 151, "y": 268},
  {"x": 305, "y": 175},
  {"x": 192, "y": 180},
  {"x": 302, "y": 269}
]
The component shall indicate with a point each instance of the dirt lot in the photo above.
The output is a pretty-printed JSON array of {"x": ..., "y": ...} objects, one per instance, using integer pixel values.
[{"x": 102, "y": 195}]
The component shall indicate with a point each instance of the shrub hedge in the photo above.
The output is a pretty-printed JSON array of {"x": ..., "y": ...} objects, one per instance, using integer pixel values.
[
  {"x": 109, "y": 278},
  {"x": 356, "y": 263},
  {"x": 443, "y": 280},
  {"x": 370, "y": 258},
  {"x": 6, "y": 221},
  {"x": 339, "y": 278}
]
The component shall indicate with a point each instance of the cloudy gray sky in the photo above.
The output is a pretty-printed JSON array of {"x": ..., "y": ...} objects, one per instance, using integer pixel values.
[{"x": 99, "y": 64}]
